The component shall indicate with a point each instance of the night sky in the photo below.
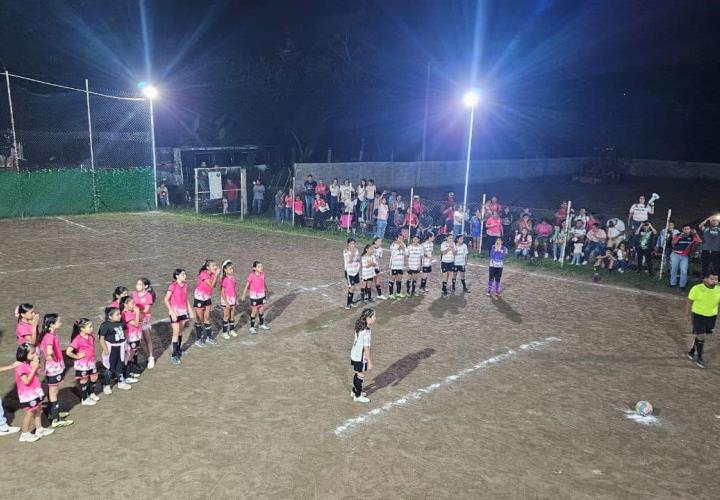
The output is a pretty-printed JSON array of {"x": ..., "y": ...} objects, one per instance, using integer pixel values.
[{"x": 559, "y": 78}]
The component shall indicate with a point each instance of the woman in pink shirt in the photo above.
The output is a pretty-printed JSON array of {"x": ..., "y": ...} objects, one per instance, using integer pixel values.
[
  {"x": 493, "y": 228},
  {"x": 144, "y": 297},
  {"x": 130, "y": 314},
  {"x": 177, "y": 302},
  {"x": 54, "y": 365},
  {"x": 27, "y": 324},
  {"x": 202, "y": 303},
  {"x": 258, "y": 289},
  {"x": 298, "y": 208},
  {"x": 82, "y": 350},
  {"x": 30, "y": 393},
  {"x": 228, "y": 299}
]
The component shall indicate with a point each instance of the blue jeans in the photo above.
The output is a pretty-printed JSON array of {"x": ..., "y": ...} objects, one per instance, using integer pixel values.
[
  {"x": 576, "y": 259},
  {"x": 279, "y": 215},
  {"x": 678, "y": 262},
  {"x": 380, "y": 229},
  {"x": 457, "y": 228},
  {"x": 257, "y": 206},
  {"x": 334, "y": 207},
  {"x": 594, "y": 247},
  {"x": 524, "y": 252},
  {"x": 557, "y": 250},
  {"x": 308, "y": 205},
  {"x": 3, "y": 420},
  {"x": 288, "y": 215}
]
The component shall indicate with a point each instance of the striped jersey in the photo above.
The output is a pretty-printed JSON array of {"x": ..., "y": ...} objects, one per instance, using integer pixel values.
[
  {"x": 378, "y": 253},
  {"x": 415, "y": 256},
  {"x": 368, "y": 267},
  {"x": 447, "y": 257},
  {"x": 461, "y": 255},
  {"x": 352, "y": 262},
  {"x": 428, "y": 248},
  {"x": 397, "y": 256}
]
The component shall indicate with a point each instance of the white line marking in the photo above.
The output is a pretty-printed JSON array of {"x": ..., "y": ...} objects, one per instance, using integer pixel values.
[
  {"x": 77, "y": 224},
  {"x": 352, "y": 423},
  {"x": 68, "y": 266}
]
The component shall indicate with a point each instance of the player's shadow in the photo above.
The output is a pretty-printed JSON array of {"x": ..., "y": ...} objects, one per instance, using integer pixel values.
[
  {"x": 277, "y": 307},
  {"x": 400, "y": 369},
  {"x": 507, "y": 310},
  {"x": 452, "y": 304}
]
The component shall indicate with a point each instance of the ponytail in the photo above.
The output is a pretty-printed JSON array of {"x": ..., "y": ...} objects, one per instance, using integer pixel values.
[
  {"x": 48, "y": 320},
  {"x": 361, "y": 322},
  {"x": 148, "y": 288},
  {"x": 78, "y": 325}
]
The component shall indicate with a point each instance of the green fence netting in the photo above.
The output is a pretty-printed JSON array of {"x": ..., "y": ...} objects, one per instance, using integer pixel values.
[{"x": 58, "y": 192}]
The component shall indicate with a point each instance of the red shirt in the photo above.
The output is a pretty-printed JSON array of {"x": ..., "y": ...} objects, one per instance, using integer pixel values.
[
  {"x": 230, "y": 190},
  {"x": 321, "y": 189}
]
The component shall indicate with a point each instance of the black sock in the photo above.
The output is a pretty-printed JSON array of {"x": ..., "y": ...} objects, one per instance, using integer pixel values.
[
  {"x": 453, "y": 284},
  {"x": 179, "y": 344},
  {"x": 423, "y": 283},
  {"x": 231, "y": 325},
  {"x": 398, "y": 286},
  {"x": 55, "y": 410},
  {"x": 135, "y": 364},
  {"x": 463, "y": 284},
  {"x": 208, "y": 329},
  {"x": 413, "y": 286},
  {"x": 199, "y": 331},
  {"x": 91, "y": 388},
  {"x": 357, "y": 385},
  {"x": 352, "y": 296},
  {"x": 252, "y": 321},
  {"x": 391, "y": 286},
  {"x": 700, "y": 345},
  {"x": 362, "y": 294},
  {"x": 407, "y": 286},
  {"x": 444, "y": 287},
  {"x": 226, "y": 326},
  {"x": 349, "y": 298},
  {"x": 378, "y": 289},
  {"x": 368, "y": 293},
  {"x": 107, "y": 377},
  {"x": 175, "y": 349},
  {"x": 692, "y": 349},
  {"x": 261, "y": 317},
  {"x": 83, "y": 391}
]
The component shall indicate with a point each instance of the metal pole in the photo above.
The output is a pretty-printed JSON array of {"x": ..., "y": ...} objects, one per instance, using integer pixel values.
[
  {"x": 567, "y": 230},
  {"x": 410, "y": 211},
  {"x": 467, "y": 166},
  {"x": 292, "y": 201},
  {"x": 154, "y": 158},
  {"x": 197, "y": 195},
  {"x": 664, "y": 246},
  {"x": 482, "y": 223},
  {"x": 427, "y": 103},
  {"x": 12, "y": 122},
  {"x": 90, "y": 140}
]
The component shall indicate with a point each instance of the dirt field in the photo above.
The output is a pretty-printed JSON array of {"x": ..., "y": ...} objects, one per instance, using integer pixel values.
[{"x": 256, "y": 416}]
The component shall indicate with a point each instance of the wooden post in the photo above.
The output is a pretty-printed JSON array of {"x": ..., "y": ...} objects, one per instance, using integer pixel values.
[
  {"x": 664, "y": 246},
  {"x": 409, "y": 213},
  {"x": 482, "y": 222},
  {"x": 567, "y": 231},
  {"x": 197, "y": 195},
  {"x": 292, "y": 201}
]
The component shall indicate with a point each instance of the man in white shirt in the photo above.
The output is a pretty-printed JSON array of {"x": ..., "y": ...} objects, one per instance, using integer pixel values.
[
  {"x": 615, "y": 232},
  {"x": 639, "y": 213}
]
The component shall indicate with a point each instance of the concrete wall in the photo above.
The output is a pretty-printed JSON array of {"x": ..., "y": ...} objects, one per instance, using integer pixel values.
[{"x": 404, "y": 175}]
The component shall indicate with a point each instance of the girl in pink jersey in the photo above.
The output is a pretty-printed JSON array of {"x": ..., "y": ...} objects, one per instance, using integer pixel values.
[
  {"x": 144, "y": 297},
  {"x": 228, "y": 299},
  {"x": 258, "y": 289},
  {"x": 177, "y": 302},
  {"x": 54, "y": 366},
  {"x": 202, "y": 303},
  {"x": 130, "y": 314},
  {"x": 27, "y": 324},
  {"x": 119, "y": 293},
  {"x": 82, "y": 350},
  {"x": 30, "y": 393}
]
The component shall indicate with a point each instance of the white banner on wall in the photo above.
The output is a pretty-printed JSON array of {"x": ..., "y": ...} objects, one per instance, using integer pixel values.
[{"x": 215, "y": 184}]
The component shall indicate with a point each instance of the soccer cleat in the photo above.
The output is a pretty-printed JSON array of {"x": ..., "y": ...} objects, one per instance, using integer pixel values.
[
  {"x": 233, "y": 333},
  {"x": 88, "y": 402},
  {"x": 498, "y": 295},
  {"x": 382, "y": 297},
  {"x": 61, "y": 423},
  {"x": 43, "y": 431},
  {"x": 352, "y": 393},
  {"x": 64, "y": 414},
  {"x": 225, "y": 335},
  {"x": 211, "y": 339},
  {"x": 445, "y": 294},
  {"x": 135, "y": 375},
  {"x": 124, "y": 386},
  {"x": 264, "y": 327},
  {"x": 489, "y": 293},
  {"x": 691, "y": 356},
  {"x": 29, "y": 437},
  {"x": 371, "y": 301},
  {"x": 700, "y": 363},
  {"x": 347, "y": 307},
  {"x": 6, "y": 430},
  {"x": 107, "y": 390},
  {"x": 200, "y": 343},
  {"x": 466, "y": 290},
  {"x": 253, "y": 331},
  {"x": 151, "y": 363},
  {"x": 400, "y": 295},
  {"x": 183, "y": 353},
  {"x": 131, "y": 380},
  {"x": 94, "y": 397},
  {"x": 175, "y": 360},
  {"x": 361, "y": 399},
  {"x": 354, "y": 305}
]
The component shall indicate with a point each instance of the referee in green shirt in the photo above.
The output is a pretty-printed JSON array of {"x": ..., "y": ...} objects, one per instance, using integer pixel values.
[{"x": 702, "y": 310}]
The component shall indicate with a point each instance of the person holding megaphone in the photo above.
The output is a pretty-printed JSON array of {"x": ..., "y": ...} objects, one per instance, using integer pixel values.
[{"x": 640, "y": 212}]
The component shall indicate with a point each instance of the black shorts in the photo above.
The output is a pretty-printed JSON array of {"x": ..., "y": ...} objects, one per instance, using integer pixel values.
[
  {"x": 703, "y": 324},
  {"x": 446, "y": 267},
  {"x": 427, "y": 269},
  {"x": 369, "y": 280},
  {"x": 35, "y": 404},
  {"x": 258, "y": 302},
  {"x": 377, "y": 271},
  {"x": 85, "y": 373},
  {"x": 135, "y": 344},
  {"x": 180, "y": 319},
  {"x": 54, "y": 379},
  {"x": 359, "y": 366},
  {"x": 396, "y": 272},
  {"x": 199, "y": 304},
  {"x": 458, "y": 269},
  {"x": 352, "y": 280},
  {"x": 413, "y": 271}
]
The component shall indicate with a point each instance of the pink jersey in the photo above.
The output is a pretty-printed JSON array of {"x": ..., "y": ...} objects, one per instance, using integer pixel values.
[
  {"x": 54, "y": 365},
  {"x": 87, "y": 347},
  {"x": 203, "y": 291},
  {"x": 115, "y": 303},
  {"x": 257, "y": 285},
  {"x": 144, "y": 302},
  {"x": 30, "y": 391},
  {"x": 23, "y": 330},
  {"x": 178, "y": 297},
  {"x": 228, "y": 285},
  {"x": 134, "y": 333}
]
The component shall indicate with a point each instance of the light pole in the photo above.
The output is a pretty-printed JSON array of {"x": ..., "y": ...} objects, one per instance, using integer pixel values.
[
  {"x": 425, "y": 116},
  {"x": 151, "y": 93},
  {"x": 471, "y": 100}
]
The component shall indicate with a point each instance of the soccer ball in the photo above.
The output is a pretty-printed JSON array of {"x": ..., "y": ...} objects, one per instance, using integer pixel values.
[{"x": 644, "y": 408}]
